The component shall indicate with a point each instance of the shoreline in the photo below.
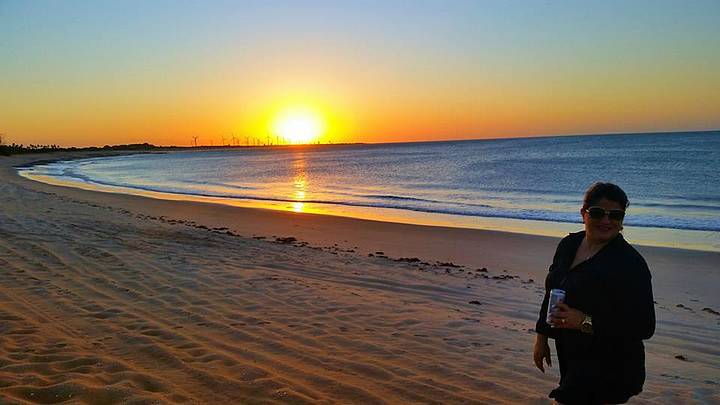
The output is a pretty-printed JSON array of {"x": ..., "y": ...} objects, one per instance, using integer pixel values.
[
  {"x": 367, "y": 230},
  {"x": 131, "y": 298},
  {"x": 696, "y": 240},
  {"x": 429, "y": 243}
]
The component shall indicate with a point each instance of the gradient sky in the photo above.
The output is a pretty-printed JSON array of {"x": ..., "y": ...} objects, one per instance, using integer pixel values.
[{"x": 109, "y": 72}]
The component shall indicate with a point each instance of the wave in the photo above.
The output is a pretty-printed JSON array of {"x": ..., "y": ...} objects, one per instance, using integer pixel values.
[
  {"x": 388, "y": 201},
  {"x": 679, "y": 206},
  {"x": 415, "y": 199}
]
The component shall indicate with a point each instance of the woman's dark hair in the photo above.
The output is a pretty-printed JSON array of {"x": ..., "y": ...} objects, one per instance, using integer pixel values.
[{"x": 609, "y": 191}]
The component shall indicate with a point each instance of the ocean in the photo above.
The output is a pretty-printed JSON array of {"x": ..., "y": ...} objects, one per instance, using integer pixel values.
[{"x": 531, "y": 185}]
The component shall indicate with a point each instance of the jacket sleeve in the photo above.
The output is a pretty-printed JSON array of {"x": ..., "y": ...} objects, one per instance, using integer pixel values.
[
  {"x": 541, "y": 326},
  {"x": 632, "y": 310}
]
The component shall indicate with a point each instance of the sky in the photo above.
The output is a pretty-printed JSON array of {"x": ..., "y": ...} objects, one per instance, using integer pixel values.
[{"x": 81, "y": 73}]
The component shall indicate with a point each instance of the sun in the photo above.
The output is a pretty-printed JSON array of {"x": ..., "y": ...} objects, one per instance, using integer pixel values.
[{"x": 298, "y": 126}]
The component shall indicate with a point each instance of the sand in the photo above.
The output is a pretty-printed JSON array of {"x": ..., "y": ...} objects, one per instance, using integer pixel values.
[{"x": 108, "y": 298}]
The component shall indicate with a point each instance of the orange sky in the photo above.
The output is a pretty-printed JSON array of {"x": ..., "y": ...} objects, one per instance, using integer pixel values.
[{"x": 78, "y": 76}]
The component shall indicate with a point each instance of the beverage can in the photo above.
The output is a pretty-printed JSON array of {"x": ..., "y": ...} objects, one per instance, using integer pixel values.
[{"x": 556, "y": 296}]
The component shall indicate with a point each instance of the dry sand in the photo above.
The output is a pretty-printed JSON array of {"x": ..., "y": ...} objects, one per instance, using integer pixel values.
[{"x": 108, "y": 298}]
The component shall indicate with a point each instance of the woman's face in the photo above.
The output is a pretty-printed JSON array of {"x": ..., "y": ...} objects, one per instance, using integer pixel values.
[{"x": 602, "y": 230}]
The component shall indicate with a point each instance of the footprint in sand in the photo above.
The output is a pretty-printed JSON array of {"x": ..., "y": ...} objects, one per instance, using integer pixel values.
[{"x": 710, "y": 311}]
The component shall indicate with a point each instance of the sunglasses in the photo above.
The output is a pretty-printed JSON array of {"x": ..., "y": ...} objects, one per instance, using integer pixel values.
[{"x": 599, "y": 213}]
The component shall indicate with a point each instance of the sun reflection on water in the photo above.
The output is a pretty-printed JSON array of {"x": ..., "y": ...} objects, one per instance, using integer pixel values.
[{"x": 300, "y": 183}]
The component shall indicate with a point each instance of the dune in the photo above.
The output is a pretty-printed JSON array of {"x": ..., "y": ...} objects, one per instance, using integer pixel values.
[{"x": 110, "y": 298}]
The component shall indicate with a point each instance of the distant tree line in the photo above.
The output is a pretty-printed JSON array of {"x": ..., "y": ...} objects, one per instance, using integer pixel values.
[{"x": 15, "y": 149}]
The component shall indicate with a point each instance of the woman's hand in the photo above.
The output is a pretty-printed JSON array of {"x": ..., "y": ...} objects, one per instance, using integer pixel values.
[
  {"x": 564, "y": 317},
  {"x": 541, "y": 351}
]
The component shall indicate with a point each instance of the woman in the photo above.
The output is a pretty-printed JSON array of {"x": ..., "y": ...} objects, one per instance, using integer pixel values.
[{"x": 608, "y": 308}]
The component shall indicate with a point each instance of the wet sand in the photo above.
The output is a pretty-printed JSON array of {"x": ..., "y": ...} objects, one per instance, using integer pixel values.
[{"x": 108, "y": 298}]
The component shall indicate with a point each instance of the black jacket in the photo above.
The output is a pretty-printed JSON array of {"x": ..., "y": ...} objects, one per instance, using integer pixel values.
[{"x": 613, "y": 287}]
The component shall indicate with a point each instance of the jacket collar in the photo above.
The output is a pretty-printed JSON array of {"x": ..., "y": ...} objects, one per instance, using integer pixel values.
[{"x": 576, "y": 239}]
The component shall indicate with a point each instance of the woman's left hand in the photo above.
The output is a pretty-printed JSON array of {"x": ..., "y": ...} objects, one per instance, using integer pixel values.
[{"x": 564, "y": 317}]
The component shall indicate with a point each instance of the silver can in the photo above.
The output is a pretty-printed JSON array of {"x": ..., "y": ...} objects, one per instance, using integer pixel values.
[{"x": 556, "y": 296}]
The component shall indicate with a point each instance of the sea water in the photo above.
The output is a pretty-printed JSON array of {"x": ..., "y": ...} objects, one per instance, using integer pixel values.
[{"x": 532, "y": 185}]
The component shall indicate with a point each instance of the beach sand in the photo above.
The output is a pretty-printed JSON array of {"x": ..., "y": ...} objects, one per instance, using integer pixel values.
[{"x": 108, "y": 298}]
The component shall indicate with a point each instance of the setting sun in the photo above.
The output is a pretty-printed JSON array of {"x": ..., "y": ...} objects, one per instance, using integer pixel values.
[{"x": 299, "y": 126}]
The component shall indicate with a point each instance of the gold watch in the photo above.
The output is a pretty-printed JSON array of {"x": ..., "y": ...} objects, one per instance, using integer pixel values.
[{"x": 586, "y": 325}]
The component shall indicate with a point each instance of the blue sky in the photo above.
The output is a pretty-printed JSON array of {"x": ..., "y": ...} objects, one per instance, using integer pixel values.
[{"x": 467, "y": 68}]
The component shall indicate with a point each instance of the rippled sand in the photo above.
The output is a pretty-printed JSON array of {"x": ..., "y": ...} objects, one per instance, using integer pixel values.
[{"x": 116, "y": 299}]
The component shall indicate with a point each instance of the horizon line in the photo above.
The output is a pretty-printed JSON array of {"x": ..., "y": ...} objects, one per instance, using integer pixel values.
[{"x": 390, "y": 142}]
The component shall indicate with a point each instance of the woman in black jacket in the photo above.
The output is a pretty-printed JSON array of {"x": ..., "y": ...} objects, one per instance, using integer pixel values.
[{"x": 608, "y": 309}]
